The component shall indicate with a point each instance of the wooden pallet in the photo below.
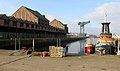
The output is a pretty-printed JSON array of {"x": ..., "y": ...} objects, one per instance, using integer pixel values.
[{"x": 56, "y": 51}]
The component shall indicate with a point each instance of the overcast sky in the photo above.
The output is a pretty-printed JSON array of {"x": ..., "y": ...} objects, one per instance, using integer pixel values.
[{"x": 71, "y": 12}]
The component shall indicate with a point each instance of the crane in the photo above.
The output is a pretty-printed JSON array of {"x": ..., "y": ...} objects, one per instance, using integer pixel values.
[{"x": 82, "y": 24}]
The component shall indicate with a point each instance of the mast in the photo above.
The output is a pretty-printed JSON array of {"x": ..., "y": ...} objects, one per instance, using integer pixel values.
[{"x": 106, "y": 17}]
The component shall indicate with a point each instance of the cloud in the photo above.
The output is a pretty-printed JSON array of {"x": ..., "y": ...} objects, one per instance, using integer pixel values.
[
  {"x": 96, "y": 17},
  {"x": 50, "y": 17},
  {"x": 73, "y": 26}
]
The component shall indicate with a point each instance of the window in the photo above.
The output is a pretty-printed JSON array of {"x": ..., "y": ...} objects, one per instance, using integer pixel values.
[
  {"x": 6, "y": 22},
  {"x": 21, "y": 24},
  {"x": 14, "y": 23},
  {"x": 36, "y": 27},
  {"x": 32, "y": 26},
  {"x": 24, "y": 25},
  {"x": 27, "y": 25}
]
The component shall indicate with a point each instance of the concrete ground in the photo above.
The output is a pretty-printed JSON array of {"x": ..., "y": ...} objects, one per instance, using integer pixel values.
[{"x": 70, "y": 63}]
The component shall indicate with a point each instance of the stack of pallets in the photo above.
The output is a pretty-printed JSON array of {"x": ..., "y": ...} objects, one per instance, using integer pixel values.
[{"x": 56, "y": 51}]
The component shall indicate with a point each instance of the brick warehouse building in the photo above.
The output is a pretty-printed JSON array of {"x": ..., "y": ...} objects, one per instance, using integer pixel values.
[{"x": 27, "y": 23}]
